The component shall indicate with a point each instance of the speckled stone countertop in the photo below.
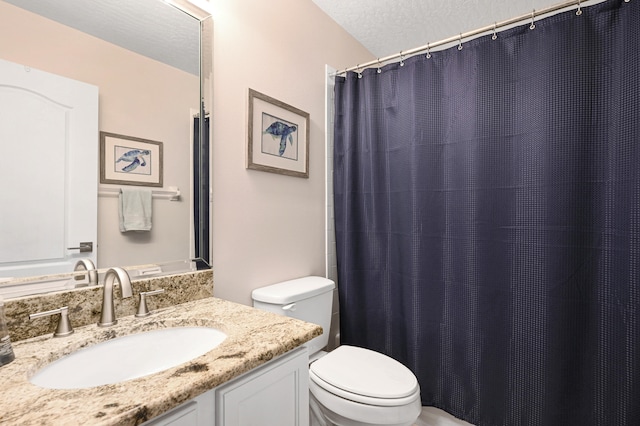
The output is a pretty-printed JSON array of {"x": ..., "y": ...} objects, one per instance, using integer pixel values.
[{"x": 254, "y": 337}]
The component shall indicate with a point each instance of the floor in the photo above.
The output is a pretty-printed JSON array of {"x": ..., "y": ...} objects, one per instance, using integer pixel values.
[{"x": 432, "y": 416}]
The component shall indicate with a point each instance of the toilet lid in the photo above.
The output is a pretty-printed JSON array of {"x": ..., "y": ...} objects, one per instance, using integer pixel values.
[{"x": 364, "y": 372}]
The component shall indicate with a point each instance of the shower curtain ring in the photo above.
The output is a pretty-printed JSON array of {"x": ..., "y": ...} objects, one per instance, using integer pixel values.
[
  {"x": 428, "y": 51},
  {"x": 401, "y": 59},
  {"x": 359, "y": 71},
  {"x": 579, "y": 11},
  {"x": 533, "y": 22},
  {"x": 495, "y": 35},
  {"x": 379, "y": 65},
  {"x": 460, "y": 42}
]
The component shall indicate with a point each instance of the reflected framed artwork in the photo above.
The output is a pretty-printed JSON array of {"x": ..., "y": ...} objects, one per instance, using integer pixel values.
[
  {"x": 278, "y": 139},
  {"x": 127, "y": 160}
]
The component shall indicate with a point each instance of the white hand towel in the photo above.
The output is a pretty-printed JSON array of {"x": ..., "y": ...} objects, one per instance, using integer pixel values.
[{"x": 134, "y": 209}]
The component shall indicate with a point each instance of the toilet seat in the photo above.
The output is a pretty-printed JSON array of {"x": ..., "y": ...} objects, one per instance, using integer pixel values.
[{"x": 365, "y": 376}]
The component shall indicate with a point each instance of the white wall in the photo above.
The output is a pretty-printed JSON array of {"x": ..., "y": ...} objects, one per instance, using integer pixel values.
[{"x": 269, "y": 227}]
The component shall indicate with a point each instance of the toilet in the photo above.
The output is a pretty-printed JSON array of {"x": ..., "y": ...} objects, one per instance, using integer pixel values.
[{"x": 349, "y": 386}]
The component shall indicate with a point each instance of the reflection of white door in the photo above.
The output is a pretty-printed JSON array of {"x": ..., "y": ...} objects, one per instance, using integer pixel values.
[{"x": 48, "y": 170}]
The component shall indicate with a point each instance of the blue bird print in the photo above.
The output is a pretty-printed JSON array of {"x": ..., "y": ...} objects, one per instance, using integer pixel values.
[
  {"x": 135, "y": 158},
  {"x": 278, "y": 128}
]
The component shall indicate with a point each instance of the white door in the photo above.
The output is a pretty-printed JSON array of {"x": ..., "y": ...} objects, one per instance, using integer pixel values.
[{"x": 48, "y": 170}]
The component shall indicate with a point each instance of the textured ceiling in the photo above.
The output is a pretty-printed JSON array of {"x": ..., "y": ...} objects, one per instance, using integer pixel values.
[
  {"x": 148, "y": 27},
  {"x": 386, "y": 27}
]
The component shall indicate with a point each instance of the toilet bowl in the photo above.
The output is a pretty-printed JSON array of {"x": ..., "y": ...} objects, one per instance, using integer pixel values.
[
  {"x": 356, "y": 386},
  {"x": 349, "y": 386}
]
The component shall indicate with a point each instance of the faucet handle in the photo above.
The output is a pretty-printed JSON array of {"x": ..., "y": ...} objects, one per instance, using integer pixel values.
[
  {"x": 64, "y": 326},
  {"x": 143, "y": 310}
]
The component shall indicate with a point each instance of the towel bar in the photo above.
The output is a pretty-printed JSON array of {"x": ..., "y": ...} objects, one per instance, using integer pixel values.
[{"x": 172, "y": 193}]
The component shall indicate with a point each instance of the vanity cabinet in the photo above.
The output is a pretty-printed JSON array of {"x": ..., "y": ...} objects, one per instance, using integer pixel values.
[
  {"x": 200, "y": 411},
  {"x": 276, "y": 393}
]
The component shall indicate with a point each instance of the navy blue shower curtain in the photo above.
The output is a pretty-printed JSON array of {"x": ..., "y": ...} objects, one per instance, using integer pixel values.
[
  {"x": 201, "y": 193},
  {"x": 487, "y": 213}
]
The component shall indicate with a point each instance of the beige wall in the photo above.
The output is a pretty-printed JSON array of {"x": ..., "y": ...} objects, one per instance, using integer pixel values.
[
  {"x": 137, "y": 97},
  {"x": 266, "y": 227},
  {"x": 269, "y": 227}
]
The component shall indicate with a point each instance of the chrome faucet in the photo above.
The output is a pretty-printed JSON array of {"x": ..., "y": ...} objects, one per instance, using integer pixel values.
[
  {"x": 108, "y": 316},
  {"x": 92, "y": 272}
]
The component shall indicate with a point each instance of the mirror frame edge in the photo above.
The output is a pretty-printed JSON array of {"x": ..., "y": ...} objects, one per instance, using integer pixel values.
[{"x": 199, "y": 9}]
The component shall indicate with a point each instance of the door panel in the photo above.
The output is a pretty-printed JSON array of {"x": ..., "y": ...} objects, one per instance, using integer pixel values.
[{"x": 49, "y": 169}]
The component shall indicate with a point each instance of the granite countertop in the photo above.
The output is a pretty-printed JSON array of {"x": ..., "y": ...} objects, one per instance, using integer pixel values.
[{"x": 254, "y": 337}]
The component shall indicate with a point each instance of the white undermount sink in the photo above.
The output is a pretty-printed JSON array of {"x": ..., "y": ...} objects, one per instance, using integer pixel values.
[{"x": 128, "y": 357}]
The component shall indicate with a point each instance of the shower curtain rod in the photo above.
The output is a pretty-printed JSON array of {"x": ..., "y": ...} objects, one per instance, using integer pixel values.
[{"x": 489, "y": 28}]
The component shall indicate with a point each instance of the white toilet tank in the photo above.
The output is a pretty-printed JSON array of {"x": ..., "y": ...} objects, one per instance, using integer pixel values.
[{"x": 308, "y": 299}]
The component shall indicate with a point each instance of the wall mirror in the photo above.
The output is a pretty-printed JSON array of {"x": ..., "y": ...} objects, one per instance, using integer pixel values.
[{"x": 151, "y": 62}]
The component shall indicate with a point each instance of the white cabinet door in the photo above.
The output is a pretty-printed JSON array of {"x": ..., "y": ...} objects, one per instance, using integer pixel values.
[
  {"x": 196, "y": 412},
  {"x": 48, "y": 170},
  {"x": 276, "y": 394}
]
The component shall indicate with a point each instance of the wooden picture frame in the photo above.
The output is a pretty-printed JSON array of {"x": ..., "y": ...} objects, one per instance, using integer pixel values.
[
  {"x": 278, "y": 138},
  {"x": 127, "y": 160}
]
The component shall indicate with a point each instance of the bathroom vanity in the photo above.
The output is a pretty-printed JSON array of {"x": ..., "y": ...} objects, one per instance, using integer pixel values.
[
  {"x": 257, "y": 375},
  {"x": 275, "y": 393}
]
